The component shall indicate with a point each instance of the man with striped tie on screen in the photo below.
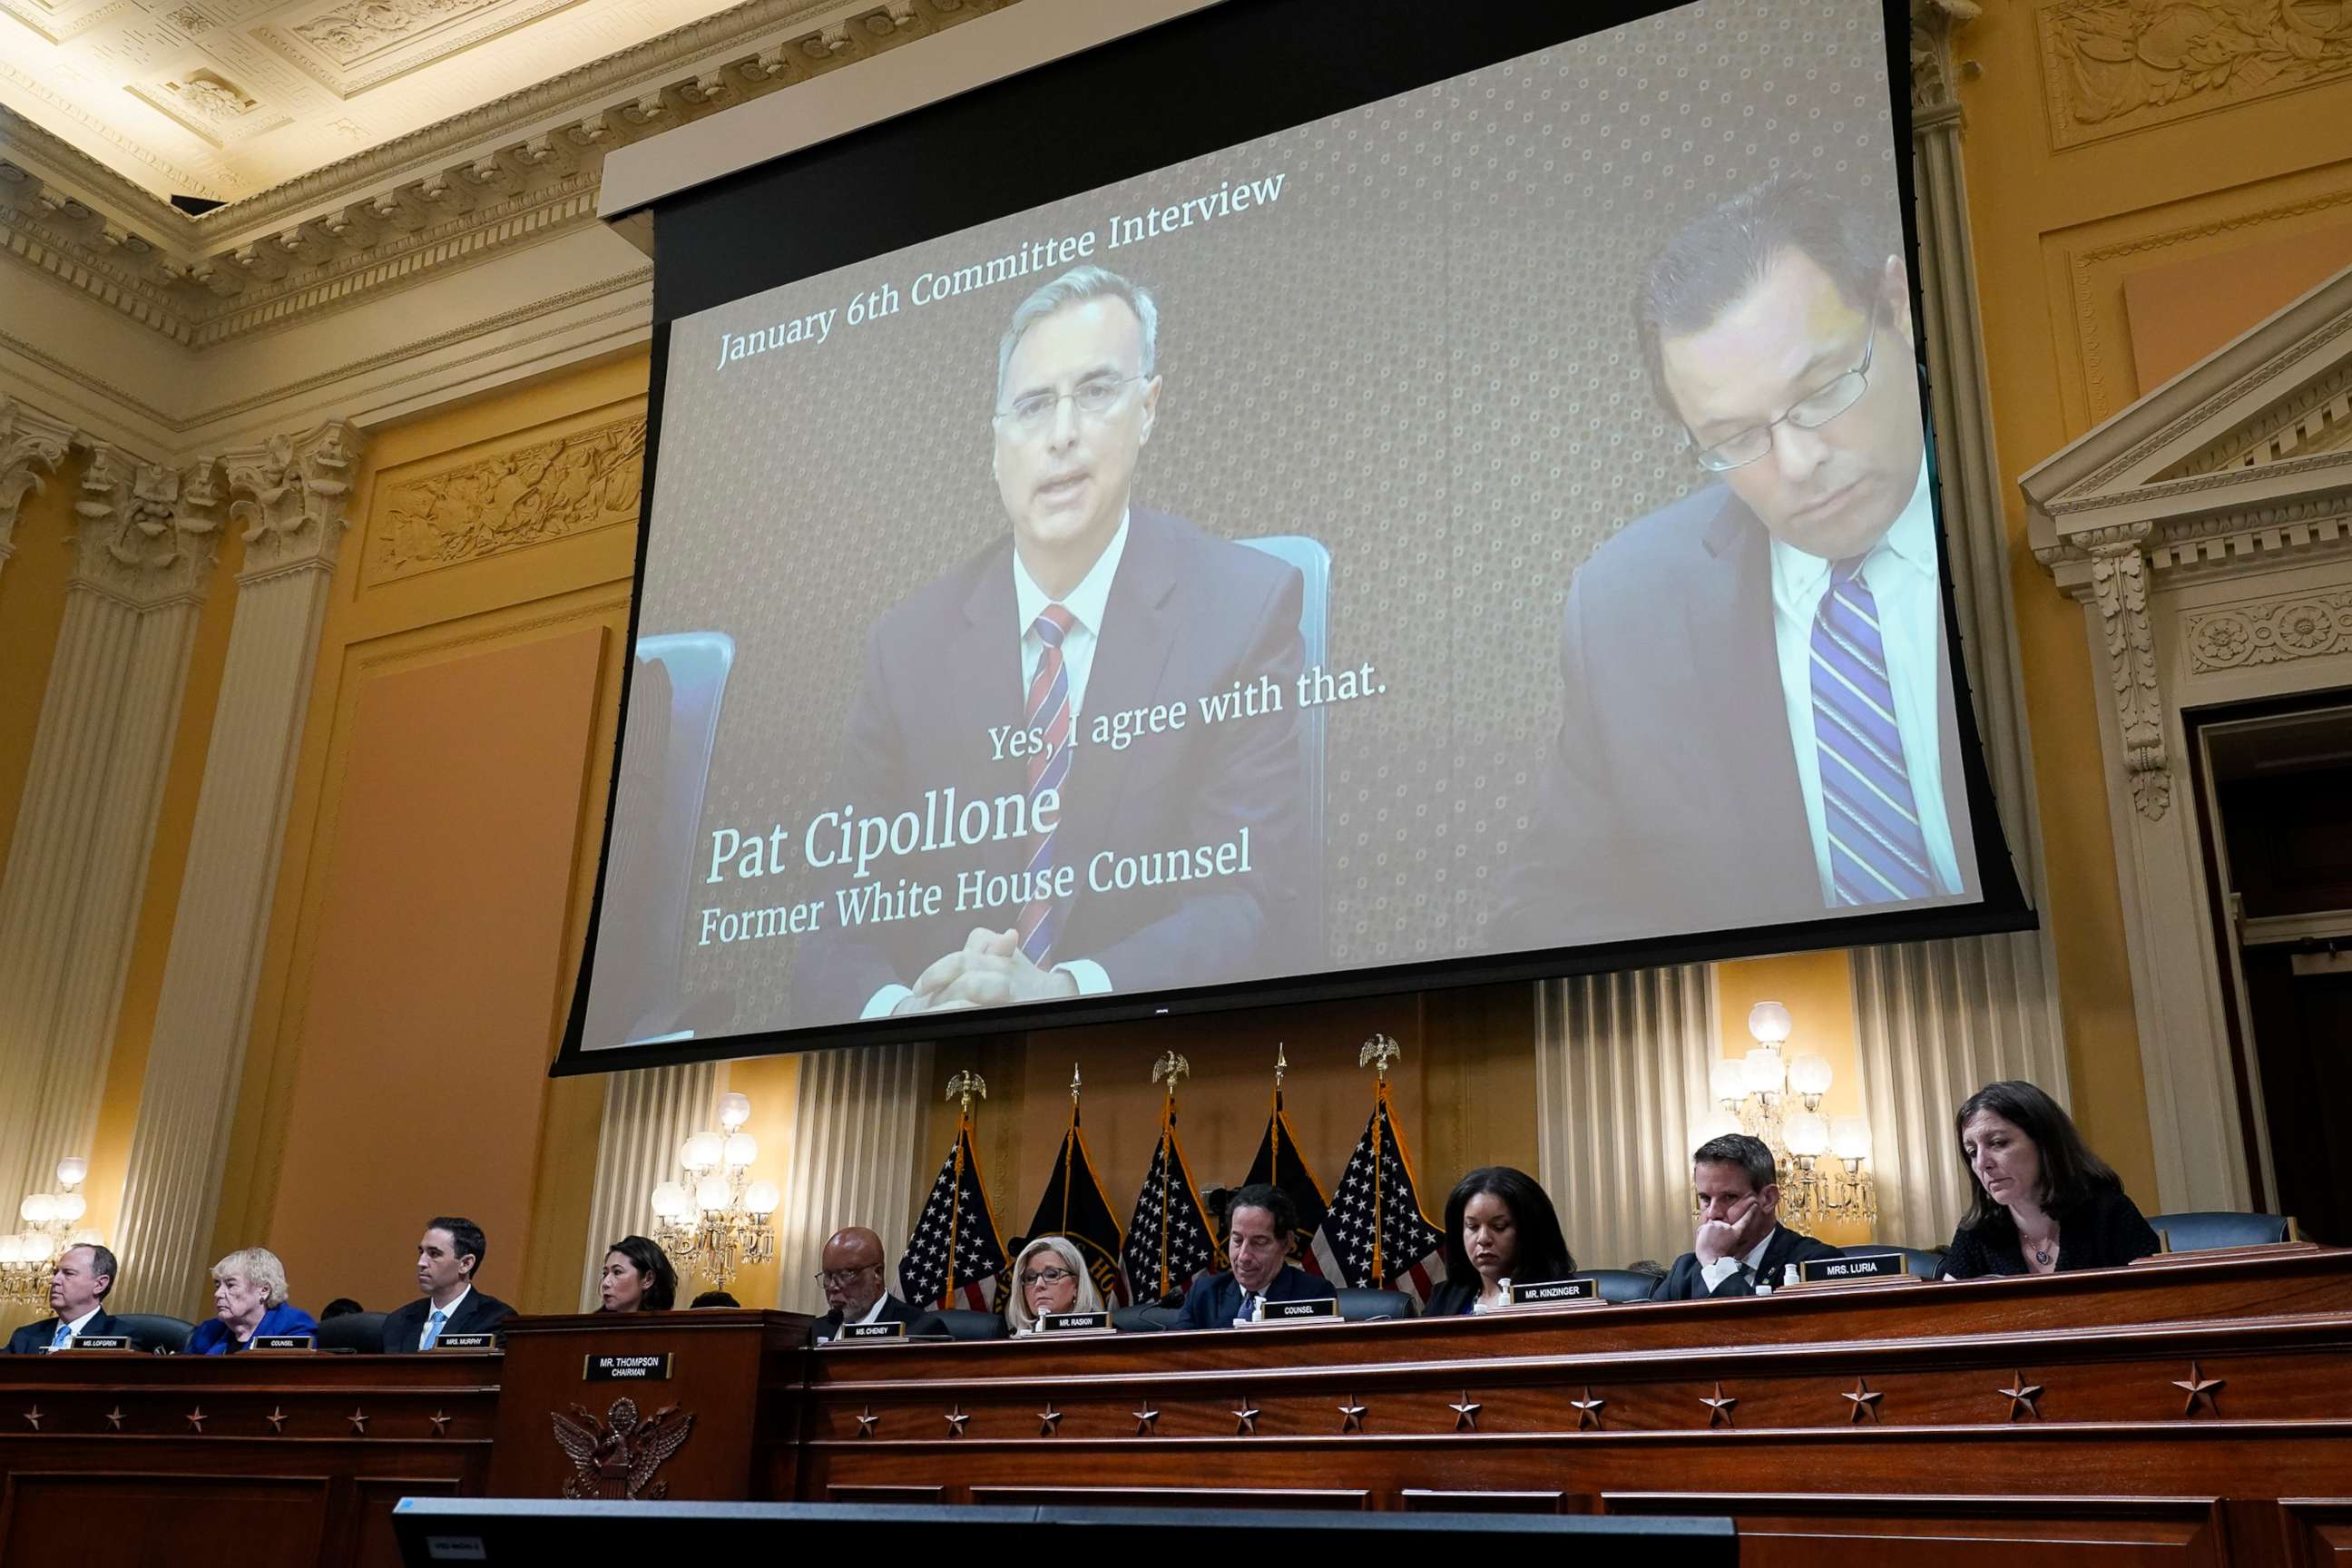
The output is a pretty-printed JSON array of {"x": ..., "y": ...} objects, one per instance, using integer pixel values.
[
  {"x": 985, "y": 680},
  {"x": 1756, "y": 705}
]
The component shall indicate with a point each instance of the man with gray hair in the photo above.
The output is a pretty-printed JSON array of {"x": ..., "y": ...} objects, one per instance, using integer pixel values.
[
  {"x": 78, "y": 1282},
  {"x": 1147, "y": 854}
]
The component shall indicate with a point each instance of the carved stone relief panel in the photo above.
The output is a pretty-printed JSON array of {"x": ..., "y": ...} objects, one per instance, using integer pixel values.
[
  {"x": 2115, "y": 65},
  {"x": 561, "y": 485},
  {"x": 2310, "y": 624}
]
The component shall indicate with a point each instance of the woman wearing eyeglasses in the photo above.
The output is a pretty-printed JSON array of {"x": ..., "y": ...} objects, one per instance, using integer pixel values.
[{"x": 1049, "y": 1277}]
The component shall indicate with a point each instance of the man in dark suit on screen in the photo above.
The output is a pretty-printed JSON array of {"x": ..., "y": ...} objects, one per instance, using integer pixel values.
[
  {"x": 1756, "y": 705},
  {"x": 1741, "y": 1241},
  {"x": 449, "y": 1255},
  {"x": 78, "y": 1282},
  {"x": 1022, "y": 681}
]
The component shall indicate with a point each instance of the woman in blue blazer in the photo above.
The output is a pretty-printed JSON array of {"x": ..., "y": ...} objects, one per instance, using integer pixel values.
[{"x": 248, "y": 1301}]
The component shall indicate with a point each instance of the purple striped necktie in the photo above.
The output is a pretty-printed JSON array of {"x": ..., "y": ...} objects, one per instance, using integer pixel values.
[
  {"x": 1877, "y": 852},
  {"x": 1049, "y": 711}
]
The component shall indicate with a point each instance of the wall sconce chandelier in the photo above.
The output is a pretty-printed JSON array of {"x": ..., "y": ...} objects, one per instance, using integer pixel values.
[
  {"x": 1771, "y": 1096},
  {"x": 52, "y": 1225},
  {"x": 718, "y": 1222}
]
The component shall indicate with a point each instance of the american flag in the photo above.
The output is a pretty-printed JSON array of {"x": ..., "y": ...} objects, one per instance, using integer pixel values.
[
  {"x": 1170, "y": 1242},
  {"x": 1375, "y": 1229},
  {"x": 956, "y": 1250},
  {"x": 1279, "y": 1165}
]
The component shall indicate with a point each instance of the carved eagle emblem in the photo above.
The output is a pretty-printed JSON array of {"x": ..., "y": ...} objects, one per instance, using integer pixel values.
[{"x": 616, "y": 1456}]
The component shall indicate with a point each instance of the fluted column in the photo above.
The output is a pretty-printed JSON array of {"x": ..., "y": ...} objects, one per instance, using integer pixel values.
[
  {"x": 1936, "y": 1020},
  {"x": 1621, "y": 1079},
  {"x": 647, "y": 1114},
  {"x": 855, "y": 1126},
  {"x": 291, "y": 494},
  {"x": 70, "y": 896},
  {"x": 31, "y": 445}
]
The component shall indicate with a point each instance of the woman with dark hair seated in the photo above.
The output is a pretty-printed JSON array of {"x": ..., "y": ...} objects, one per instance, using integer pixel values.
[
  {"x": 637, "y": 1277},
  {"x": 1499, "y": 1226},
  {"x": 2045, "y": 1203}
]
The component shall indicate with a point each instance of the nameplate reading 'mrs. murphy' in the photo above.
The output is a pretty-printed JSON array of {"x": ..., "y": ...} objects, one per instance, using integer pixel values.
[
  {"x": 283, "y": 1343},
  {"x": 1072, "y": 1322},
  {"x": 1556, "y": 1293},
  {"x": 1853, "y": 1266},
  {"x": 467, "y": 1342},
  {"x": 627, "y": 1368}
]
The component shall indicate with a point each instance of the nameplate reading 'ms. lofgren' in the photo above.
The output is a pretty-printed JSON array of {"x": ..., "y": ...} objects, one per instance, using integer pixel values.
[
  {"x": 1853, "y": 1266},
  {"x": 627, "y": 1368},
  {"x": 99, "y": 1342}
]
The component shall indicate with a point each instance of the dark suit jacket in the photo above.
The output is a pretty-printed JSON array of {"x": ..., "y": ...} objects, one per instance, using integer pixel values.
[
  {"x": 1670, "y": 800},
  {"x": 894, "y": 1311},
  {"x": 1683, "y": 1283},
  {"x": 2105, "y": 1230},
  {"x": 1188, "y": 615},
  {"x": 477, "y": 1314},
  {"x": 1216, "y": 1301},
  {"x": 33, "y": 1338}
]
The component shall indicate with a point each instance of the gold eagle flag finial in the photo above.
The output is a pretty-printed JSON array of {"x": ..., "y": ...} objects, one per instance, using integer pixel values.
[
  {"x": 1378, "y": 1053},
  {"x": 1171, "y": 1067},
  {"x": 966, "y": 1084}
]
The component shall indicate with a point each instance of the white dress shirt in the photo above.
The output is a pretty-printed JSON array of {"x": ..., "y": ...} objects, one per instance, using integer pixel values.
[
  {"x": 1722, "y": 1268},
  {"x": 448, "y": 1313},
  {"x": 1086, "y": 603},
  {"x": 74, "y": 1329},
  {"x": 1901, "y": 574}
]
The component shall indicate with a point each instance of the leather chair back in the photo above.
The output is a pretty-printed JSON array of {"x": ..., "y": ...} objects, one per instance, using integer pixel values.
[
  {"x": 1147, "y": 1318},
  {"x": 155, "y": 1331},
  {"x": 961, "y": 1323},
  {"x": 1373, "y": 1306},
  {"x": 361, "y": 1331},
  {"x": 1620, "y": 1284},
  {"x": 2200, "y": 1229}
]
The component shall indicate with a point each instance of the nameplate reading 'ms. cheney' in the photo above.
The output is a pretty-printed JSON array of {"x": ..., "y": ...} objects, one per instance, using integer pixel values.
[
  {"x": 1853, "y": 1266},
  {"x": 627, "y": 1368},
  {"x": 1554, "y": 1292},
  {"x": 872, "y": 1331},
  {"x": 1072, "y": 1322}
]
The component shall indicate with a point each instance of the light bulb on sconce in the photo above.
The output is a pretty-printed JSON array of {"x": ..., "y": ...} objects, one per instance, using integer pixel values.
[
  {"x": 1725, "y": 1082},
  {"x": 1850, "y": 1138},
  {"x": 716, "y": 1221},
  {"x": 1761, "y": 1071},
  {"x": 1769, "y": 1023},
  {"x": 702, "y": 1152},
  {"x": 734, "y": 1109},
  {"x": 72, "y": 1171},
  {"x": 741, "y": 1150},
  {"x": 1808, "y": 1078},
  {"x": 52, "y": 1223}
]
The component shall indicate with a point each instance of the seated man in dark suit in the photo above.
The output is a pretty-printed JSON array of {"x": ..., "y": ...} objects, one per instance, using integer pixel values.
[
  {"x": 78, "y": 1288},
  {"x": 1757, "y": 714},
  {"x": 853, "y": 1286},
  {"x": 1741, "y": 1241},
  {"x": 447, "y": 1258},
  {"x": 1110, "y": 859},
  {"x": 1258, "y": 1225}
]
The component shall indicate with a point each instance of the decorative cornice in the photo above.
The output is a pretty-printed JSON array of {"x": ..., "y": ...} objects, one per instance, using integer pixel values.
[
  {"x": 293, "y": 493},
  {"x": 31, "y": 445},
  {"x": 518, "y": 170}
]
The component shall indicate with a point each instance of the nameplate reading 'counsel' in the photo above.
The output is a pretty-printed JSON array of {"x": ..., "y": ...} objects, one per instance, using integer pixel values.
[
  {"x": 283, "y": 1343},
  {"x": 1073, "y": 1323},
  {"x": 1853, "y": 1266},
  {"x": 627, "y": 1368},
  {"x": 1298, "y": 1311},
  {"x": 1556, "y": 1293},
  {"x": 467, "y": 1342}
]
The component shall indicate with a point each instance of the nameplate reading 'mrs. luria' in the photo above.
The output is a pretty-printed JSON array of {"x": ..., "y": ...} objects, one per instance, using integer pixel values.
[
  {"x": 873, "y": 1331},
  {"x": 99, "y": 1342},
  {"x": 627, "y": 1368},
  {"x": 1554, "y": 1292},
  {"x": 467, "y": 1342},
  {"x": 282, "y": 1342},
  {"x": 1072, "y": 1322},
  {"x": 1853, "y": 1266}
]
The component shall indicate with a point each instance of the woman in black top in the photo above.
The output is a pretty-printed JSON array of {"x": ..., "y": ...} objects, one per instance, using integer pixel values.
[
  {"x": 1499, "y": 1225},
  {"x": 2043, "y": 1201}
]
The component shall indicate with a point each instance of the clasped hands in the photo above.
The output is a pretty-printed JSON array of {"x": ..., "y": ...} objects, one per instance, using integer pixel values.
[
  {"x": 989, "y": 971},
  {"x": 1716, "y": 1238}
]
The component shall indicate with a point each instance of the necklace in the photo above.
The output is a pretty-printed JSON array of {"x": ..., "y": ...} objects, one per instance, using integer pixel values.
[{"x": 2044, "y": 1249}]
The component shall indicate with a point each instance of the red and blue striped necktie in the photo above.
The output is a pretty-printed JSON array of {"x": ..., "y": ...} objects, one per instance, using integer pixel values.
[{"x": 1049, "y": 711}]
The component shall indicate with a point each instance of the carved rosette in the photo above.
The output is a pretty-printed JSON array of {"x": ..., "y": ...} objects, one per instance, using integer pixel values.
[
  {"x": 2271, "y": 631},
  {"x": 293, "y": 494},
  {"x": 146, "y": 532},
  {"x": 31, "y": 445},
  {"x": 2119, "y": 587}
]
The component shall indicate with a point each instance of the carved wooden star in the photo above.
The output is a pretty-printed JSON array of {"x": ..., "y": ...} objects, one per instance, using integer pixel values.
[
  {"x": 358, "y": 1418},
  {"x": 114, "y": 1416},
  {"x": 1466, "y": 1414},
  {"x": 33, "y": 1417},
  {"x": 1245, "y": 1419},
  {"x": 1588, "y": 1411},
  {"x": 196, "y": 1418},
  {"x": 1865, "y": 1402},
  {"x": 2023, "y": 1395},
  {"x": 1718, "y": 1407},
  {"x": 955, "y": 1418},
  {"x": 1048, "y": 1421},
  {"x": 440, "y": 1423},
  {"x": 277, "y": 1419},
  {"x": 2200, "y": 1390},
  {"x": 1146, "y": 1421},
  {"x": 866, "y": 1422},
  {"x": 1351, "y": 1415}
]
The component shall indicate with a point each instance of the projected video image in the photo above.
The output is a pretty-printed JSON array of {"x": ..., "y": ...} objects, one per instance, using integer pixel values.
[{"x": 1495, "y": 520}]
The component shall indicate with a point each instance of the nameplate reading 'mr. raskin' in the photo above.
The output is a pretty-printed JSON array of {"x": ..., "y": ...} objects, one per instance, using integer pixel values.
[
  {"x": 873, "y": 1331},
  {"x": 1072, "y": 1322},
  {"x": 627, "y": 1368},
  {"x": 467, "y": 1342},
  {"x": 1853, "y": 1266},
  {"x": 99, "y": 1342},
  {"x": 1554, "y": 1292},
  {"x": 283, "y": 1343}
]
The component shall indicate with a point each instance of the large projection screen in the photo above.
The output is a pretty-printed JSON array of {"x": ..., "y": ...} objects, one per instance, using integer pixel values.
[{"x": 1293, "y": 502}]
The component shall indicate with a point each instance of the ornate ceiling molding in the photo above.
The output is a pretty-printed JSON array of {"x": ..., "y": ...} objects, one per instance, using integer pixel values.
[{"x": 515, "y": 171}]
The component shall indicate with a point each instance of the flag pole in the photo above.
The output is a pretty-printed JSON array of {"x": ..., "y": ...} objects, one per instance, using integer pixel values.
[
  {"x": 1172, "y": 1067},
  {"x": 965, "y": 1084},
  {"x": 1069, "y": 1149},
  {"x": 1379, "y": 1052},
  {"x": 1274, "y": 1125}
]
